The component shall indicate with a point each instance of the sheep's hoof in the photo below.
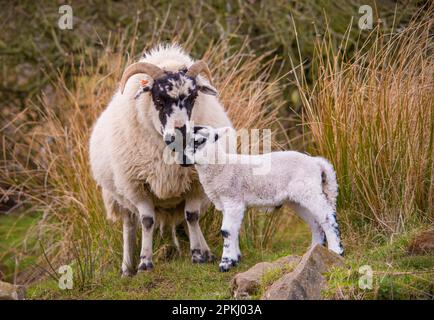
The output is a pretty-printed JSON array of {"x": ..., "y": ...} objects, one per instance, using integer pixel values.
[
  {"x": 209, "y": 256},
  {"x": 201, "y": 257},
  {"x": 127, "y": 273},
  {"x": 198, "y": 259},
  {"x": 145, "y": 266},
  {"x": 340, "y": 251}
]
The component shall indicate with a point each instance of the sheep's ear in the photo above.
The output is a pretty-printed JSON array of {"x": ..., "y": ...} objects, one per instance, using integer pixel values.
[
  {"x": 205, "y": 87},
  {"x": 141, "y": 91},
  {"x": 145, "y": 86},
  {"x": 208, "y": 89}
]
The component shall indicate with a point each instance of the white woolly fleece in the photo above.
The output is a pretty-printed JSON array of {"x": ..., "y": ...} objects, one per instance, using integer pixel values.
[
  {"x": 308, "y": 184},
  {"x": 126, "y": 151}
]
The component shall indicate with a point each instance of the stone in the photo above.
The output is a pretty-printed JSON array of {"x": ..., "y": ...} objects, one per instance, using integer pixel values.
[
  {"x": 246, "y": 284},
  {"x": 11, "y": 292},
  {"x": 307, "y": 280},
  {"x": 422, "y": 243}
]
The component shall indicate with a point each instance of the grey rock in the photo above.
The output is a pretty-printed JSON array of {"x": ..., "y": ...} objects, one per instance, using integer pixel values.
[
  {"x": 307, "y": 280},
  {"x": 11, "y": 292},
  {"x": 247, "y": 283}
]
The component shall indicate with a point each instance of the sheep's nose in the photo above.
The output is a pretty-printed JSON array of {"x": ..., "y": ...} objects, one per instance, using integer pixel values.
[{"x": 181, "y": 131}]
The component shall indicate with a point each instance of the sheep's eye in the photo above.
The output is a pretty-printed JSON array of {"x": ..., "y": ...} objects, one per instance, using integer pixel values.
[{"x": 159, "y": 102}]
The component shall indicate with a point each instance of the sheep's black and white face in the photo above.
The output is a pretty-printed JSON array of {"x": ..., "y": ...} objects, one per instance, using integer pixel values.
[{"x": 174, "y": 97}]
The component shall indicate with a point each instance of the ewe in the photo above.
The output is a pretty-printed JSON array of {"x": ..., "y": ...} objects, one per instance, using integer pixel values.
[
  {"x": 127, "y": 144},
  {"x": 235, "y": 182}
]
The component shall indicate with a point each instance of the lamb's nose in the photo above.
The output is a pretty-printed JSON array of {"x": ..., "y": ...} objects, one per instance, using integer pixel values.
[{"x": 169, "y": 138}]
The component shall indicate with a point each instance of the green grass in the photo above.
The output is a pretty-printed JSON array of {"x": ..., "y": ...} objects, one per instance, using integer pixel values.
[
  {"x": 396, "y": 274},
  {"x": 177, "y": 278},
  {"x": 15, "y": 245}
]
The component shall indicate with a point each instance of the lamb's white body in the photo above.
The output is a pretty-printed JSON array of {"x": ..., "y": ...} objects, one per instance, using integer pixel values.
[
  {"x": 126, "y": 156},
  {"x": 307, "y": 183}
]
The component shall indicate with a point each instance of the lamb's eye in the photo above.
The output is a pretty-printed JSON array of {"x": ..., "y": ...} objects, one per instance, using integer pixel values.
[{"x": 199, "y": 141}]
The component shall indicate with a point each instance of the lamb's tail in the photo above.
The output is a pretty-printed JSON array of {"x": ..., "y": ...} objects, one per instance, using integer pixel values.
[{"x": 328, "y": 181}]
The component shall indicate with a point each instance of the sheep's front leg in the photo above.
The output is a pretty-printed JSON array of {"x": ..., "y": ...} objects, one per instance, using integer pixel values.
[
  {"x": 129, "y": 237},
  {"x": 147, "y": 220},
  {"x": 200, "y": 252},
  {"x": 232, "y": 219}
]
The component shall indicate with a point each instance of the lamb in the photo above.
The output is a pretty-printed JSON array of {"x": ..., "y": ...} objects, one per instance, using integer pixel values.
[
  {"x": 161, "y": 93},
  {"x": 235, "y": 182}
]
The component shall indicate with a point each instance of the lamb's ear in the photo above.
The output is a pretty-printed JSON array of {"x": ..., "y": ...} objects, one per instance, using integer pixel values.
[
  {"x": 202, "y": 130},
  {"x": 226, "y": 130},
  {"x": 220, "y": 132},
  {"x": 197, "y": 128}
]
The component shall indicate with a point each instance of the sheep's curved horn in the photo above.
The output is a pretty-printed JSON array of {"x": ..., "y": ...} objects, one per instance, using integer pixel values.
[
  {"x": 198, "y": 67},
  {"x": 141, "y": 67}
]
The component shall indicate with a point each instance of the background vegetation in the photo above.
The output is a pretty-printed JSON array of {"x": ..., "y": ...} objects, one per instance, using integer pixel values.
[{"x": 362, "y": 98}]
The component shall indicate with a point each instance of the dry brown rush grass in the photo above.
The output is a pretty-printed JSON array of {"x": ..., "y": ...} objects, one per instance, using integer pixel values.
[{"x": 372, "y": 115}]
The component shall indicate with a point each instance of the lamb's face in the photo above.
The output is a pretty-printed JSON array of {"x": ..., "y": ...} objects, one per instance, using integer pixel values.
[{"x": 206, "y": 144}]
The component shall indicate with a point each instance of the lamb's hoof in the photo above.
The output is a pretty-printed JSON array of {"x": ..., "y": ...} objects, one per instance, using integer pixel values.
[
  {"x": 340, "y": 251},
  {"x": 224, "y": 268},
  {"x": 226, "y": 264},
  {"x": 201, "y": 257},
  {"x": 127, "y": 273},
  {"x": 145, "y": 266}
]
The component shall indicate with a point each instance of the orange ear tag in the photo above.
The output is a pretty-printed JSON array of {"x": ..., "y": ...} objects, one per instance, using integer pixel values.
[{"x": 143, "y": 82}]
